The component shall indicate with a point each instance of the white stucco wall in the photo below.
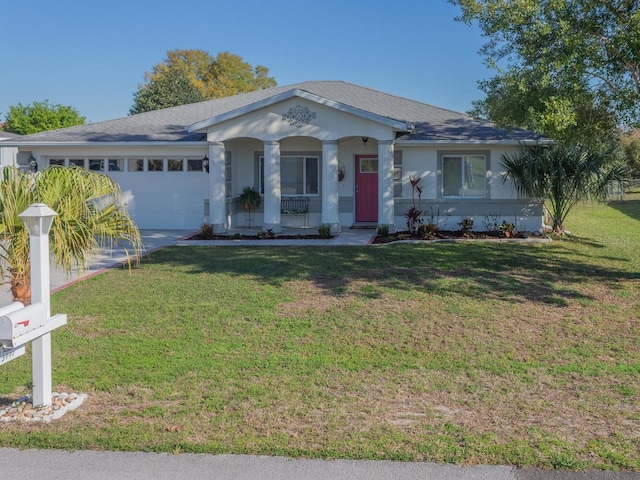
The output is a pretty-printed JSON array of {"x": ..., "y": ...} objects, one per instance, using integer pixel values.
[
  {"x": 501, "y": 199},
  {"x": 328, "y": 124},
  {"x": 8, "y": 156}
]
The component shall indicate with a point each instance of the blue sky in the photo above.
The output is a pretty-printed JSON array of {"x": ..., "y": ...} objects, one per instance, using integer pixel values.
[{"x": 92, "y": 55}]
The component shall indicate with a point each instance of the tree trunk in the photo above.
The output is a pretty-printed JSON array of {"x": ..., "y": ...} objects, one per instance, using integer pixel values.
[{"x": 558, "y": 229}]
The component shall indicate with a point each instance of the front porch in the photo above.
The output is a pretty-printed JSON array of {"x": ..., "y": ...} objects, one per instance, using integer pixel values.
[
  {"x": 322, "y": 176},
  {"x": 301, "y": 144}
]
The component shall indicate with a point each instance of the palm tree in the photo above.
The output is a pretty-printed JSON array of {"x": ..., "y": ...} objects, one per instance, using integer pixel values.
[
  {"x": 562, "y": 175},
  {"x": 90, "y": 216}
]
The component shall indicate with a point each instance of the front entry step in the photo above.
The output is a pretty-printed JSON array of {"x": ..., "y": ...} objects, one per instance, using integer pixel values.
[{"x": 364, "y": 225}]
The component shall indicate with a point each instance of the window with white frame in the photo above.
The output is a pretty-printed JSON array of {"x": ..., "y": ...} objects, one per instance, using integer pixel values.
[
  {"x": 115, "y": 164},
  {"x": 100, "y": 165},
  {"x": 135, "y": 165},
  {"x": 95, "y": 164},
  {"x": 299, "y": 175},
  {"x": 175, "y": 165},
  {"x": 463, "y": 175},
  {"x": 155, "y": 165},
  {"x": 76, "y": 162},
  {"x": 195, "y": 165}
]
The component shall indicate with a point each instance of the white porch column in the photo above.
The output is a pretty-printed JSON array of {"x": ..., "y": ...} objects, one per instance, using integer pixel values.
[
  {"x": 217, "y": 205},
  {"x": 272, "y": 186},
  {"x": 385, "y": 184},
  {"x": 330, "y": 211}
]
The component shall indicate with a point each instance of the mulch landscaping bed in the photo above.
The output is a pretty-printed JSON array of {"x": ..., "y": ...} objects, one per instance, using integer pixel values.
[
  {"x": 256, "y": 237},
  {"x": 449, "y": 235}
]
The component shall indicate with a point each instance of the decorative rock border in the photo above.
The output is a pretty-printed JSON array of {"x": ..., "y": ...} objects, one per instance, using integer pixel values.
[{"x": 22, "y": 410}]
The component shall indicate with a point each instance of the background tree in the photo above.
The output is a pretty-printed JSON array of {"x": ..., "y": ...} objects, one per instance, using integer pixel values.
[
  {"x": 562, "y": 176},
  {"x": 631, "y": 146},
  {"x": 230, "y": 75},
  {"x": 195, "y": 64},
  {"x": 41, "y": 116},
  {"x": 224, "y": 75},
  {"x": 568, "y": 114},
  {"x": 560, "y": 63},
  {"x": 168, "y": 90},
  {"x": 90, "y": 215}
]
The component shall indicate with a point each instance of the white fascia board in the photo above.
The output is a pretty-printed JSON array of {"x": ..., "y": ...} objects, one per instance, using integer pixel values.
[
  {"x": 204, "y": 124},
  {"x": 107, "y": 144},
  {"x": 475, "y": 143}
]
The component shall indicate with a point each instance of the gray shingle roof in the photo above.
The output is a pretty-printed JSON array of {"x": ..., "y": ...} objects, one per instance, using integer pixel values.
[
  {"x": 171, "y": 124},
  {"x": 8, "y": 136}
]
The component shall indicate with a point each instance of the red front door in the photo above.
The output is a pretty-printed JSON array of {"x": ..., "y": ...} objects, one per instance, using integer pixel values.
[{"x": 366, "y": 188}]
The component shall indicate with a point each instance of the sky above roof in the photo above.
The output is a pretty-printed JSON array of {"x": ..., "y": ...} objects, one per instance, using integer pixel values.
[{"x": 93, "y": 55}]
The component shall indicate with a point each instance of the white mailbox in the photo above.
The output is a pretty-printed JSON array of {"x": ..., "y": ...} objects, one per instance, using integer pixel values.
[
  {"x": 18, "y": 326},
  {"x": 12, "y": 307}
]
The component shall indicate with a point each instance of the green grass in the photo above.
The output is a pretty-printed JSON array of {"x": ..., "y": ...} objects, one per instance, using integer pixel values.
[{"x": 466, "y": 353}]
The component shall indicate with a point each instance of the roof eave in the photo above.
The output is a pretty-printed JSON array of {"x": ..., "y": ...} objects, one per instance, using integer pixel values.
[
  {"x": 157, "y": 143},
  {"x": 475, "y": 142}
]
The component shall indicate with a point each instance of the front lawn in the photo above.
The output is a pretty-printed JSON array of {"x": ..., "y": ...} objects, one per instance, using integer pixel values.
[{"x": 520, "y": 354}]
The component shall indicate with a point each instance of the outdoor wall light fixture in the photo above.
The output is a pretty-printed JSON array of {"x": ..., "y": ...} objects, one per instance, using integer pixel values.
[
  {"x": 33, "y": 165},
  {"x": 365, "y": 140},
  {"x": 205, "y": 163}
]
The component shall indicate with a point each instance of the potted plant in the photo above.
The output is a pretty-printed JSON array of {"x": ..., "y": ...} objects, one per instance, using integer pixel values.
[
  {"x": 250, "y": 198},
  {"x": 508, "y": 229}
]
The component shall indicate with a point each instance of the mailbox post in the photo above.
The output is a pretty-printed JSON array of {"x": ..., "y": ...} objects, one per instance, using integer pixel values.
[{"x": 38, "y": 219}]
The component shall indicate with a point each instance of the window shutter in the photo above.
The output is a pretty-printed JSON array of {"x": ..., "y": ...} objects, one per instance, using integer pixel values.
[{"x": 397, "y": 173}]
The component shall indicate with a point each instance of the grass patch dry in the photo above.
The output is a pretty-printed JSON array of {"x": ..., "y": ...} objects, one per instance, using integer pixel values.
[{"x": 465, "y": 353}]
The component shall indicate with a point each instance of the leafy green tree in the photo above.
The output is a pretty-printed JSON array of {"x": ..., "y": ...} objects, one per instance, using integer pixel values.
[
  {"x": 560, "y": 63},
  {"x": 194, "y": 63},
  {"x": 215, "y": 76},
  {"x": 563, "y": 175},
  {"x": 41, "y": 116},
  {"x": 90, "y": 215},
  {"x": 169, "y": 90},
  {"x": 230, "y": 75},
  {"x": 519, "y": 98}
]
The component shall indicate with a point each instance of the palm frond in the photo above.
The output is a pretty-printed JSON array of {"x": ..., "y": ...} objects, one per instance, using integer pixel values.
[
  {"x": 90, "y": 215},
  {"x": 562, "y": 175}
]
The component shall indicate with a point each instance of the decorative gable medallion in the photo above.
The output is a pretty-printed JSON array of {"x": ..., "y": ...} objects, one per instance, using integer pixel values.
[{"x": 299, "y": 116}]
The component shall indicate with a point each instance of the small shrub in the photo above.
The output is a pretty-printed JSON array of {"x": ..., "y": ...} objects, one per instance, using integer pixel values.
[
  {"x": 383, "y": 230},
  {"x": 268, "y": 233},
  {"x": 206, "y": 231},
  {"x": 507, "y": 228},
  {"x": 490, "y": 222},
  {"x": 427, "y": 230},
  {"x": 236, "y": 235},
  {"x": 466, "y": 225},
  {"x": 413, "y": 220},
  {"x": 324, "y": 230}
]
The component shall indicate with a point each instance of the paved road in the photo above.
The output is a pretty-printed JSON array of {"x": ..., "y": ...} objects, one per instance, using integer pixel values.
[{"x": 62, "y": 465}]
